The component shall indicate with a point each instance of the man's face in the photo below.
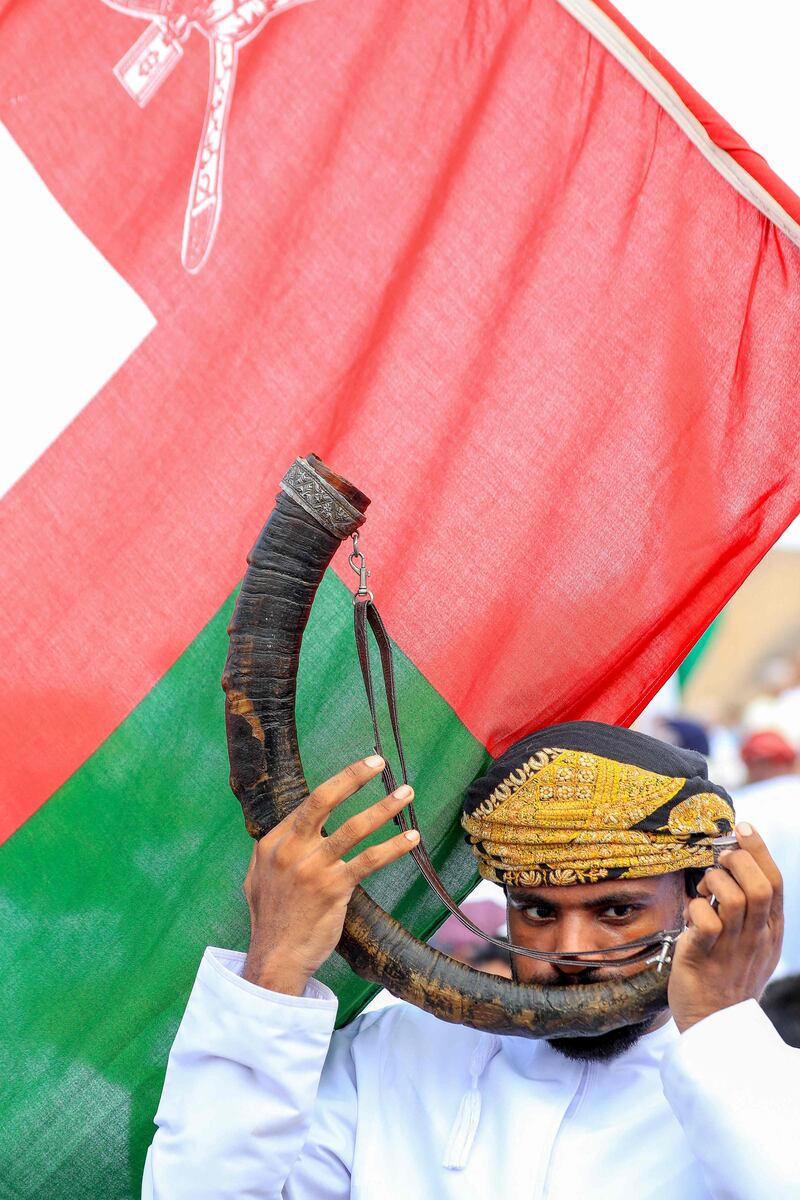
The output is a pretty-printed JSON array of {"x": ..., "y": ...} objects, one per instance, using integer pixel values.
[{"x": 591, "y": 916}]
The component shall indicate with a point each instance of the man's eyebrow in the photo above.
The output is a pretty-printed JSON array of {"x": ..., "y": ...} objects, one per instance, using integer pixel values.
[
  {"x": 610, "y": 900},
  {"x": 613, "y": 898}
]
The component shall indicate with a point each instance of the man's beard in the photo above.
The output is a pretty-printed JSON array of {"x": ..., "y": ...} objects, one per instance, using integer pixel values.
[
  {"x": 601, "y": 1047},
  {"x": 597, "y": 1047}
]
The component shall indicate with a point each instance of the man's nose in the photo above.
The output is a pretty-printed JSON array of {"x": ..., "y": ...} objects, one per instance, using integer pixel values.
[{"x": 573, "y": 936}]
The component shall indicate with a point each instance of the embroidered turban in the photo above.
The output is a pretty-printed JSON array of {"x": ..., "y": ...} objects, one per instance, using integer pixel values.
[{"x": 583, "y": 802}]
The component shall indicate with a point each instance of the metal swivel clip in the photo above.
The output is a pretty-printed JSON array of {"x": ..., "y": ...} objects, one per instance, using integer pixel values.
[
  {"x": 664, "y": 956},
  {"x": 359, "y": 565}
]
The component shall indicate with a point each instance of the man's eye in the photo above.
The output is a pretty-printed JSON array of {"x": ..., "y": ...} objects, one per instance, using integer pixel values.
[
  {"x": 538, "y": 912},
  {"x": 618, "y": 911}
]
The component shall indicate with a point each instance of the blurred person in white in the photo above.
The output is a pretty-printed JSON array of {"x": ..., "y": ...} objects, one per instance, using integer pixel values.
[
  {"x": 771, "y": 801},
  {"x": 776, "y": 705}
]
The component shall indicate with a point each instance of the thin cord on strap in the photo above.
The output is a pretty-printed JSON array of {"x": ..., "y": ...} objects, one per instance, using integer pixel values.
[
  {"x": 365, "y": 612},
  {"x": 654, "y": 948}
]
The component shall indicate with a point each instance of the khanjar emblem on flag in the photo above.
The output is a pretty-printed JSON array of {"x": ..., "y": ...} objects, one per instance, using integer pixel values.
[{"x": 228, "y": 25}]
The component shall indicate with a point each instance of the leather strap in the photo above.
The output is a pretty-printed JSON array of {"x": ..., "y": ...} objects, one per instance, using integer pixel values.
[{"x": 365, "y": 613}]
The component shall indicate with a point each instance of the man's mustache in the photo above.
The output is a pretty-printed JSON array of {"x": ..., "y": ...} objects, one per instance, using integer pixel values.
[
  {"x": 603, "y": 974},
  {"x": 590, "y": 974},
  {"x": 582, "y": 977}
]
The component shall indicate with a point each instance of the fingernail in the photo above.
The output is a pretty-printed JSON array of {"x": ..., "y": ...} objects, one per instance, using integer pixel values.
[
  {"x": 403, "y": 791},
  {"x": 744, "y": 829},
  {"x": 411, "y": 835},
  {"x": 374, "y": 760}
]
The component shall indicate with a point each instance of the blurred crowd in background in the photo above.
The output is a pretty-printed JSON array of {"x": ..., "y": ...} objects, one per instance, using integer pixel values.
[{"x": 737, "y": 701}]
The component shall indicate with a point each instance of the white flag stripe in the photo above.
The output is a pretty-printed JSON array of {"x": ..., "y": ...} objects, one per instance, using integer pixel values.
[
  {"x": 68, "y": 319},
  {"x": 742, "y": 59}
]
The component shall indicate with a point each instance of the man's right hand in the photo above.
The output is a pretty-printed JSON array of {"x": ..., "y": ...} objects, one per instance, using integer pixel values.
[{"x": 298, "y": 886}]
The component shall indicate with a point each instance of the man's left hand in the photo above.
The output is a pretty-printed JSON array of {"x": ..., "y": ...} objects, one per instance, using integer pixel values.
[{"x": 728, "y": 952}]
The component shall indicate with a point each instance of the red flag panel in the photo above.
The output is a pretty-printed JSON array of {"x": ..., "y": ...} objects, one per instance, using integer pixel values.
[{"x": 467, "y": 258}]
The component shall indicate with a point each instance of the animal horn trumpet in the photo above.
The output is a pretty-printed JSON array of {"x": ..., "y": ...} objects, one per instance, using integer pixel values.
[{"x": 314, "y": 512}]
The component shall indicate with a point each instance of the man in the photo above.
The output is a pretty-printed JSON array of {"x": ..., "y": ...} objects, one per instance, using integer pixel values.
[
  {"x": 454, "y": 939},
  {"x": 781, "y": 1003},
  {"x": 685, "y": 733},
  {"x": 596, "y": 833},
  {"x": 771, "y": 800},
  {"x": 767, "y": 754}
]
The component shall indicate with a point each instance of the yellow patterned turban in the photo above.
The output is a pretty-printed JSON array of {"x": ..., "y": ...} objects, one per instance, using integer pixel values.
[{"x": 583, "y": 802}]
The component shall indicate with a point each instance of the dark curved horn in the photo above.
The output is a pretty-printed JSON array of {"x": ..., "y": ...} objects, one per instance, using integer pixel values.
[{"x": 313, "y": 513}]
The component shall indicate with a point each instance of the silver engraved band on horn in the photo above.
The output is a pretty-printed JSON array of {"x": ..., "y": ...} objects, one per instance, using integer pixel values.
[{"x": 320, "y": 500}]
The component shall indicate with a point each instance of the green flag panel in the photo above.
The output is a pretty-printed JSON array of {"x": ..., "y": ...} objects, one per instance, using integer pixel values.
[{"x": 111, "y": 891}]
